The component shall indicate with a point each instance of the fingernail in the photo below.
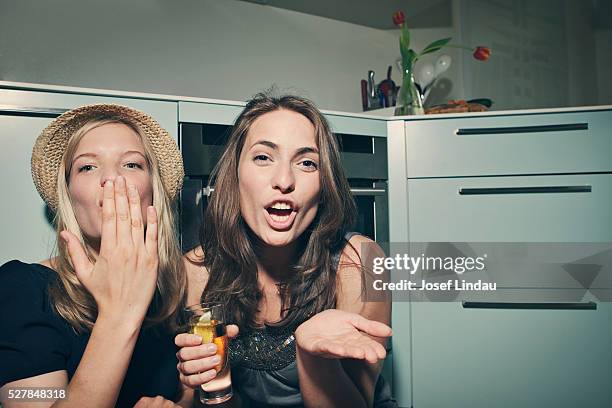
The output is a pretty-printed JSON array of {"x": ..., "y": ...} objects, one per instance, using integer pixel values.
[
  {"x": 212, "y": 348},
  {"x": 197, "y": 338},
  {"x": 215, "y": 360},
  {"x": 212, "y": 374},
  {"x": 108, "y": 183}
]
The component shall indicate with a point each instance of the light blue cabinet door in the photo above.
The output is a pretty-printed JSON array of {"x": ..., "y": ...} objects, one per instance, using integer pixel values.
[
  {"x": 492, "y": 210},
  {"x": 571, "y": 142},
  {"x": 26, "y": 232},
  {"x": 511, "y": 358}
]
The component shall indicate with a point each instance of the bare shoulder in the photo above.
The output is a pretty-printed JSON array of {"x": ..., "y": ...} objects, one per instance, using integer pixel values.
[
  {"x": 197, "y": 274},
  {"x": 358, "y": 247},
  {"x": 352, "y": 272},
  {"x": 49, "y": 263}
]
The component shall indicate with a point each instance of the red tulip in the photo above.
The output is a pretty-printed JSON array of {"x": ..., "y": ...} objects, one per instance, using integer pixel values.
[
  {"x": 399, "y": 18},
  {"x": 482, "y": 53}
]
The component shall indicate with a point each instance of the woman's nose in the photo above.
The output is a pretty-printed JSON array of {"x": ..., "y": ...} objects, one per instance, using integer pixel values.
[
  {"x": 284, "y": 179},
  {"x": 109, "y": 175}
]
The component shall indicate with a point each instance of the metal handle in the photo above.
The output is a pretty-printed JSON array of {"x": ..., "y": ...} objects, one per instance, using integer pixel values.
[
  {"x": 523, "y": 129},
  {"x": 368, "y": 191},
  {"x": 356, "y": 191},
  {"x": 530, "y": 306},
  {"x": 30, "y": 111},
  {"x": 525, "y": 190}
]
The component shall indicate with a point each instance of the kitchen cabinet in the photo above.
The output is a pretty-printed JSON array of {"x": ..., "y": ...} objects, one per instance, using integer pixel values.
[{"x": 534, "y": 176}]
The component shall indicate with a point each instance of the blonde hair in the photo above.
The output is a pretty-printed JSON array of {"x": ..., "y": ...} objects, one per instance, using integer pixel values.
[{"x": 68, "y": 296}]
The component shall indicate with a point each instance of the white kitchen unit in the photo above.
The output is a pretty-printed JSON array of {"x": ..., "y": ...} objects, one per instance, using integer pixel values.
[{"x": 524, "y": 176}]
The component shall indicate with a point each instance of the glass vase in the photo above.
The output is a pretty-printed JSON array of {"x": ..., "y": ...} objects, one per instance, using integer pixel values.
[{"x": 409, "y": 100}]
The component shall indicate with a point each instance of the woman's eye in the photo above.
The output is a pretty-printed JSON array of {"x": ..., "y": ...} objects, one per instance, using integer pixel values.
[
  {"x": 86, "y": 167},
  {"x": 309, "y": 164},
  {"x": 261, "y": 158},
  {"x": 133, "y": 166}
]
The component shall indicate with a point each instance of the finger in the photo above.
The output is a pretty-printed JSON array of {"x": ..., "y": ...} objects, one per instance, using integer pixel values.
[
  {"x": 76, "y": 252},
  {"x": 136, "y": 216},
  {"x": 187, "y": 340},
  {"x": 124, "y": 231},
  {"x": 196, "y": 380},
  {"x": 151, "y": 235},
  {"x": 370, "y": 354},
  {"x": 381, "y": 353},
  {"x": 232, "y": 330},
  {"x": 371, "y": 327},
  {"x": 198, "y": 366},
  {"x": 143, "y": 402},
  {"x": 160, "y": 402},
  {"x": 193, "y": 353},
  {"x": 356, "y": 352},
  {"x": 109, "y": 225}
]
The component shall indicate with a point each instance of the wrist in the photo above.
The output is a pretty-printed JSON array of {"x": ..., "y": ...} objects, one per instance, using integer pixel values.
[{"x": 119, "y": 324}]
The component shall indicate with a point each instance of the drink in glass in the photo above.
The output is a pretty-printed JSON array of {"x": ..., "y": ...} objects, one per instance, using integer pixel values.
[{"x": 207, "y": 320}]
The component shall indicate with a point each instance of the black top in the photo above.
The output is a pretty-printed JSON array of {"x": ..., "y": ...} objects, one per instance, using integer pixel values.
[{"x": 35, "y": 340}]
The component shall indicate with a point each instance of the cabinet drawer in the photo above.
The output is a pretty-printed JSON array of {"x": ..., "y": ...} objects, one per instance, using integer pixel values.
[
  {"x": 510, "y": 358},
  {"x": 51, "y": 104},
  {"x": 573, "y": 142},
  {"x": 571, "y": 208}
]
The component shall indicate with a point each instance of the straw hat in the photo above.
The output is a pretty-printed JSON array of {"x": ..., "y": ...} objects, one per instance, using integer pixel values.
[{"x": 51, "y": 144}]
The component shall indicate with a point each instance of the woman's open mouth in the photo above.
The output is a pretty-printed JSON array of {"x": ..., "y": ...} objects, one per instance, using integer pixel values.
[{"x": 280, "y": 215}]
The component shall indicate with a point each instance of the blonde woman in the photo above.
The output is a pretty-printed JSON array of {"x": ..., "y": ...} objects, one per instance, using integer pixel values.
[{"x": 97, "y": 320}]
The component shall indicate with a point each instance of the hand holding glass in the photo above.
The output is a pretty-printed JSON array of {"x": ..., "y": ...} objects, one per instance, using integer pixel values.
[{"x": 207, "y": 320}]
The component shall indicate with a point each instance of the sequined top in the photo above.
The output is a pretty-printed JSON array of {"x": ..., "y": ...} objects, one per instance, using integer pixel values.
[
  {"x": 264, "y": 368},
  {"x": 268, "y": 349}
]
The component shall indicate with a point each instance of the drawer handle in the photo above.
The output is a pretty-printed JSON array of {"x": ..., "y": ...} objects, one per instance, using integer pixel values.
[
  {"x": 355, "y": 191},
  {"x": 523, "y": 129},
  {"x": 524, "y": 190},
  {"x": 368, "y": 191},
  {"x": 531, "y": 306},
  {"x": 15, "y": 110}
]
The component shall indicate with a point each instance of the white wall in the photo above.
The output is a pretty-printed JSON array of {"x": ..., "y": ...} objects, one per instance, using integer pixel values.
[
  {"x": 581, "y": 51},
  {"x": 603, "y": 44},
  {"x": 209, "y": 48},
  {"x": 543, "y": 52}
]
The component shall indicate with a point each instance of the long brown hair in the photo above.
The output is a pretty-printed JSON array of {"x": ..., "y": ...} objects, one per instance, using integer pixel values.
[
  {"x": 228, "y": 250},
  {"x": 69, "y": 298}
]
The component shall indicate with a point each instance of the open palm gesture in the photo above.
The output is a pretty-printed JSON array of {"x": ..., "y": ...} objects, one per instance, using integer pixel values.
[{"x": 335, "y": 333}]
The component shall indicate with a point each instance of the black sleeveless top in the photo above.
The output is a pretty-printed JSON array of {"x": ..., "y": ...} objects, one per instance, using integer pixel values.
[
  {"x": 35, "y": 340},
  {"x": 264, "y": 367}
]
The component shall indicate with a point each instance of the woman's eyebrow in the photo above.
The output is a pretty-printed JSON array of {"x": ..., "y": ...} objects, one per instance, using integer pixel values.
[
  {"x": 84, "y": 155},
  {"x": 94, "y": 155},
  {"x": 304, "y": 150},
  {"x": 300, "y": 151},
  {"x": 266, "y": 143},
  {"x": 133, "y": 152}
]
